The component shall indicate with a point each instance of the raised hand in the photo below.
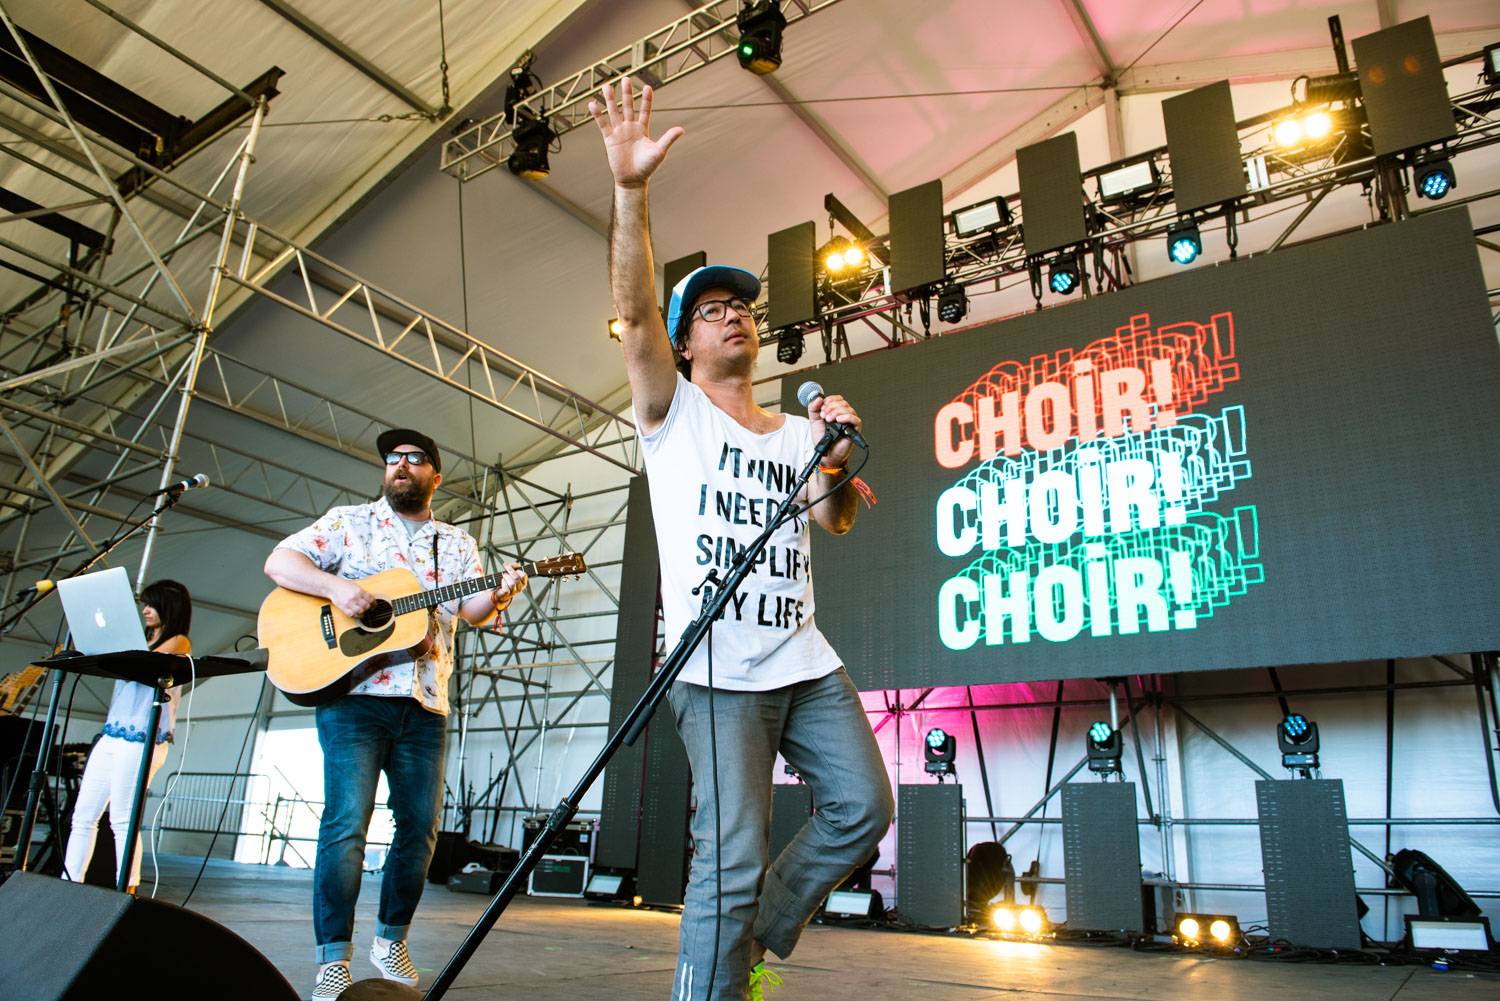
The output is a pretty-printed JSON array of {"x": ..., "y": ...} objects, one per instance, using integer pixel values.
[{"x": 633, "y": 154}]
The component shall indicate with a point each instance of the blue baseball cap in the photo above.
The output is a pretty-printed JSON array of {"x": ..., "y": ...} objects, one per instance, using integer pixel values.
[{"x": 739, "y": 281}]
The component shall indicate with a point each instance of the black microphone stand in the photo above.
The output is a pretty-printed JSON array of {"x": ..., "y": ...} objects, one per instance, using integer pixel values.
[
  {"x": 721, "y": 590},
  {"x": 44, "y": 755}
]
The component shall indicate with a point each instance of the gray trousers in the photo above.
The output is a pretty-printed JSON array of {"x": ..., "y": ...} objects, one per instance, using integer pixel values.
[{"x": 821, "y": 729}]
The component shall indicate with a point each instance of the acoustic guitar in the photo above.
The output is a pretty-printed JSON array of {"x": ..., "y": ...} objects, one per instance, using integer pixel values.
[{"x": 317, "y": 653}]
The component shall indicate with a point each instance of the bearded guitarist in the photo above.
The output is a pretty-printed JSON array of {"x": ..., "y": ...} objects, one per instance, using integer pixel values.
[{"x": 394, "y": 717}]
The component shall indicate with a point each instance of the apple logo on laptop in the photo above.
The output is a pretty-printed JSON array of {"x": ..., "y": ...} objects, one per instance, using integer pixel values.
[{"x": 99, "y": 618}]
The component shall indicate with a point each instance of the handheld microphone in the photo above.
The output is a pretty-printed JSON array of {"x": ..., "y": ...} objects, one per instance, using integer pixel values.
[
  {"x": 809, "y": 391},
  {"x": 40, "y": 588},
  {"x": 191, "y": 484}
]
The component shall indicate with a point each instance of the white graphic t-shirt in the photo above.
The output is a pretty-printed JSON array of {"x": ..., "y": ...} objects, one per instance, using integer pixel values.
[{"x": 714, "y": 485}]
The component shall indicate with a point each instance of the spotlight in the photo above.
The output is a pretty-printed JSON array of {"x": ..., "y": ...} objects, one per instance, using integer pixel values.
[
  {"x": 1128, "y": 183},
  {"x": 1104, "y": 747},
  {"x": 1287, "y": 133},
  {"x": 841, "y": 254},
  {"x": 760, "y": 27},
  {"x": 1032, "y": 920},
  {"x": 616, "y": 328},
  {"x": 1438, "y": 894},
  {"x": 990, "y": 214},
  {"x": 941, "y": 750},
  {"x": 1184, "y": 242},
  {"x": 1297, "y": 736},
  {"x": 1317, "y": 125},
  {"x": 789, "y": 347},
  {"x": 1003, "y": 918},
  {"x": 533, "y": 136},
  {"x": 1218, "y": 930},
  {"x": 953, "y": 303},
  {"x": 522, "y": 85},
  {"x": 1434, "y": 175},
  {"x": 1063, "y": 276}
]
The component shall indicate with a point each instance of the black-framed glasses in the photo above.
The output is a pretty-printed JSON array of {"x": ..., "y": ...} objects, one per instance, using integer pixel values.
[
  {"x": 714, "y": 309},
  {"x": 416, "y": 457}
]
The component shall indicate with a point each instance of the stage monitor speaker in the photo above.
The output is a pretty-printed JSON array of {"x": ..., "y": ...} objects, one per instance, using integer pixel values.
[
  {"x": 661, "y": 877},
  {"x": 635, "y": 643},
  {"x": 1304, "y": 847},
  {"x": 1102, "y": 857},
  {"x": 675, "y": 271},
  {"x": 1203, "y": 145},
  {"x": 792, "y": 273},
  {"x": 1405, "y": 94},
  {"x": 71, "y": 942},
  {"x": 791, "y": 805},
  {"x": 930, "y": 854},
  {"x": 1051, "y": 195},
  {"x": 917, "y": 237}
]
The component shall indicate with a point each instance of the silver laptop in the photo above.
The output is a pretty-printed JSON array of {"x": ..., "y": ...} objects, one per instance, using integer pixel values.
[{"x": 102, "y": 613}]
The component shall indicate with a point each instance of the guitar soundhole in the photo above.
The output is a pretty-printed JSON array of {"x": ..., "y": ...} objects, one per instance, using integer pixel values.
[{"x": 378, "y": 615}]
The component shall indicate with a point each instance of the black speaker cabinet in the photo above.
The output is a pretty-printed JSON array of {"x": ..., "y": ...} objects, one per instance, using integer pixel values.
[{"x": 73, "y": 942}]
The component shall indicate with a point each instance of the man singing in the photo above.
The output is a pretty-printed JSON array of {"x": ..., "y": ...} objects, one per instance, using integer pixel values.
[
  {"x": 718, "y": 464},
  {"x": 395, "y": 719}
]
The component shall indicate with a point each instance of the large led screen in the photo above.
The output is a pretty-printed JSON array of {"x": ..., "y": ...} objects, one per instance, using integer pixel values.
[{"x": 1289, "y": 459}]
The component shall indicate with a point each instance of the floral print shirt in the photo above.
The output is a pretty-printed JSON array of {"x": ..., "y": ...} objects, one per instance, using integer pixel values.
[{"x": 361, "y": 540}]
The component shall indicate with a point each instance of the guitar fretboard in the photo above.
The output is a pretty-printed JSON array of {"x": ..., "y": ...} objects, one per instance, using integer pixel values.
[{"x": 452, "y": 592}]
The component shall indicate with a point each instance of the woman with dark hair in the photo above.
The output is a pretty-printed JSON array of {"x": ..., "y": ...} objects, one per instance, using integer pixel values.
[{"x": 109, "y": 777}]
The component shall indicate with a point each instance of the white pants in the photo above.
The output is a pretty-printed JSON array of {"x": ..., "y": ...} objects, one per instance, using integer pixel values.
[{"x": 108, "y": 782}]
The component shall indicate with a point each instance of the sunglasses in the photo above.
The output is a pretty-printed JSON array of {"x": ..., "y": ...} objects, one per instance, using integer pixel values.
[{"x": 413, "y": 458}]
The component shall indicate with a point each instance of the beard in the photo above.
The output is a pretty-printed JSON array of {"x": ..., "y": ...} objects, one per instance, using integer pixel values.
[{"x": 406, "y": 496}]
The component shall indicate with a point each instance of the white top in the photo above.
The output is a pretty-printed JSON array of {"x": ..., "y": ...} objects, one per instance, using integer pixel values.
[
  {"x": 361, "y": 540},
  {"x": 713, "y": 486},
  {"x": 130, "y": 711}
]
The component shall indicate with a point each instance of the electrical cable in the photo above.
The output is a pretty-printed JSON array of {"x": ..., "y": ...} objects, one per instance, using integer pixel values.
[
  {"x": 218, "y": 827},
  {"x": 713, "y": 753}
]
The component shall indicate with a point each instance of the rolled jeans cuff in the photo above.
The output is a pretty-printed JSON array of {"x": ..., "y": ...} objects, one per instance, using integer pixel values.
[
  {"x": 335, "y": 952},
  {"x": 395, "y": 933},
  {"x": 776, "y": 924}
]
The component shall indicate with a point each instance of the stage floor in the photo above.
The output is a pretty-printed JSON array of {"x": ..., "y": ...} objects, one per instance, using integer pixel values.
[{"x": 551, "y": 949}]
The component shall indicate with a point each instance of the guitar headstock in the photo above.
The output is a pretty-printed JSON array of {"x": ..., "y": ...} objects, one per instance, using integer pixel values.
[{"x": 561, "y": 565}]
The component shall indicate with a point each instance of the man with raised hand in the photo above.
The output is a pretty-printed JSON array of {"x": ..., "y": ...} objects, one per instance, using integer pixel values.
[{"x": 718, "y": 465}]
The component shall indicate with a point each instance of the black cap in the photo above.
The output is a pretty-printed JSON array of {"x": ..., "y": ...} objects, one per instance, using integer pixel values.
[{"x": 388, "y": 440}]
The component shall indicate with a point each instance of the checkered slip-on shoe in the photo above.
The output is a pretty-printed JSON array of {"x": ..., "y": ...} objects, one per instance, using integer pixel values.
[
  {"x": 333, "y": 981},
  {"x": 394, "y": 963}
]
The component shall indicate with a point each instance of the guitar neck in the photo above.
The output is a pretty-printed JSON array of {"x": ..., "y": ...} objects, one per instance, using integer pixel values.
[{"x": 452, "y": 592}]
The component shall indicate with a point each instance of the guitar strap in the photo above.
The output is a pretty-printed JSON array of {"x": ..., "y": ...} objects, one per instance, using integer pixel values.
[{"x": 437, "y": 581}]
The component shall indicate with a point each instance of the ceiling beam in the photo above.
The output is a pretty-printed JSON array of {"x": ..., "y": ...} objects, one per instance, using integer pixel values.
[
  {"x": 326, "y": 38},
  {"x": 1089, "y": 35}
]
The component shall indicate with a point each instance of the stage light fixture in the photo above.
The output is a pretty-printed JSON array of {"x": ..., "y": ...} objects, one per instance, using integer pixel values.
[
  {"x": 981, "y": 217},
  {"x": 941, "y": 750},
  {"x": 953, "y": 303},
  {"x": 522, "y": 85},
  {"x": 1491, "y": 69},
  {"x": 1032, "y": 920},
  {"x": 1105, "y": 747},
  {"x": 1214, "y": 930},
  {"x": 1297, "y": 736},
  {"x": 842, "y": 255},
  {"x": 1433, "y": 173},
  {"x": 1130, "y": 182},
  {"x": 760, "y": 25},
  {"x": 616, "y": 328},
  {"x": 789, "y": 347},
  {"x": 1184, "y": 241},
  {"x": 1438, "y": 894},
  {"x": 533, "y": 136},
  {"x": 1323, "y": 89},
  {"x": 1063, "y": 275},
  {"x": 1003, "y": 917}
]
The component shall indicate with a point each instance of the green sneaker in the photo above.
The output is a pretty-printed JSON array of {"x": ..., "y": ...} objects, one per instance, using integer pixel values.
[{"x": 762, "y": 978}]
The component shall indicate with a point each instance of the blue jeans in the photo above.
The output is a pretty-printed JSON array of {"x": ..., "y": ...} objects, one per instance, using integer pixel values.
[
  {"x": 822, "y": 730},
  {"x": 361, "y": 736}
]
